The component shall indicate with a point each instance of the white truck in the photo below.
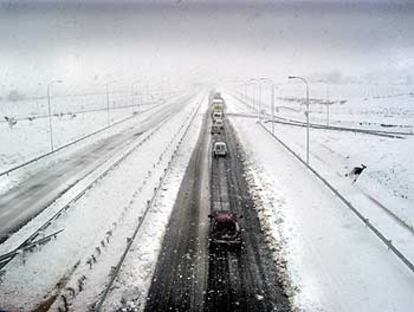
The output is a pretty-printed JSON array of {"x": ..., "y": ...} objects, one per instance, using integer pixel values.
[{"x": 219, "y": 149}]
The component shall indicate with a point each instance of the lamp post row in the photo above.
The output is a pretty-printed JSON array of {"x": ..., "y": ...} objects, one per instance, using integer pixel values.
[
  {"x": 49, "y": 107},
  {"x": 107, "y": 100},
  {"x": 50, "y": 111},
  {"x": 258, "y": 82},
  {"x": 306, "y": 113}
]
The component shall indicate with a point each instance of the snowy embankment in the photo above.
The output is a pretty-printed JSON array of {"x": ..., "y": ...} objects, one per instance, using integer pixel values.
[
  {"x": 78, "y": 263},
  {"x": 332, "y": 259}
]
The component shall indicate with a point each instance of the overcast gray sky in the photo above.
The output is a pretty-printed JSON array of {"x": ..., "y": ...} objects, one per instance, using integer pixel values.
[{"x": 86, "y": 45}]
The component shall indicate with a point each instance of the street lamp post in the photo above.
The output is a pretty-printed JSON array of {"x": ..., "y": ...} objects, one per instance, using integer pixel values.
[
  {"x": 253, "y": 94},
  {"x": 132, "y": 91},
  {"x": 327, "y": 100},
  {"x": 272, "y": 85},
  {"x": 273, "y": 108},
  {"x": 327, "y": 103},
  {"x": 107, "y": 100},
  {"x": 50, "y": 111},
  {"x": 247, "y": 84},
  {"x": 256, "y": 81},
  {"x": 37, "y": 98},
  {"x": 260, "y": 102},
  {"x": 148, "y": 91},
  {"x": 306, "y": 113}
]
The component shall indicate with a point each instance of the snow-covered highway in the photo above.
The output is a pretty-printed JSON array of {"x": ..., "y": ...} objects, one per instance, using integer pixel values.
[
  {"x": 206, "y": 156},
  {"x": 302, "y": 247},
  {"x": 76, "y": 221},
  {"x": 48, "y": 179}
]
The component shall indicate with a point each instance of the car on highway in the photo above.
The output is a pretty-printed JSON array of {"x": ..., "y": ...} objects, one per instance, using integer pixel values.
[
  {"x": 225, "y": 229},
  {"x": 217, "y": 115},
  {"x": 215, "y": 129},
  {"x": 218, "y": 104},
  {"x": 219, "y": 149},
  {"x": 219, "y": 122},
  {"x": 217, "y": 95}
]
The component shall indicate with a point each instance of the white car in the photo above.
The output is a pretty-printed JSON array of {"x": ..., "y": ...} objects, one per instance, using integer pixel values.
[
  {"x": 219, "y": 123},
  {"x": 220, "y": 149},
  {"x": 217, "y": 114}
]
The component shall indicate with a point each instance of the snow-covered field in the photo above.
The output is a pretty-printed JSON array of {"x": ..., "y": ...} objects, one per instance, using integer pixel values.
[
  {"x": 353, "y": 105},
  {"x": 30, "y": 139},
  {"x": 334, "y": 260},
  {"x": 97, "y": 225},
  {"x": 72, "y": 118},
  {"x": 389, "y": 176}
]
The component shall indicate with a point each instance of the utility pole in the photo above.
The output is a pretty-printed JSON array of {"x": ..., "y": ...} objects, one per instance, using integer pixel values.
[{"x": 272, "y": 100}]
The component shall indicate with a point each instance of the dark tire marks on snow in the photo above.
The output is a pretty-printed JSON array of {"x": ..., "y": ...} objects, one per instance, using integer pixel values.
[
  {"x": 190, "y": 276},
  {"x": 246, "y": 279},
  {"x": 180, "y": 275}
]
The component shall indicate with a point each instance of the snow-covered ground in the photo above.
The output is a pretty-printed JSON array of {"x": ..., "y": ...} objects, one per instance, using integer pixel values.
[
  {"x": 334, "y": 260},
  {"x": 33, "y": 140},
  {"x": 384, "y": 192},
  {"x": 72, "y": 118},
  {"x": 97, "y": 225},
  {"x": 356, "y": 105},
  {"x": 389, "y": 177}
]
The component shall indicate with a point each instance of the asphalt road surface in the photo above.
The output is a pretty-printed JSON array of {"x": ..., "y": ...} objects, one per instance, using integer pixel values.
[
  {"x": 24, "y": 201},
  {"x": 180, "y": 276},
  {"x": 190, "y": 275}
]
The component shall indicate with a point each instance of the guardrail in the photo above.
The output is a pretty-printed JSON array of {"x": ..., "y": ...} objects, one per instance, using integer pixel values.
[
  {"x": 28, "y": 241},
  {"x": 33, "y": 160},
  {"x": 298, "y": 123},
  {"x": 365, "y": 220},
  {"x": 40, "y": 241},
  {"x": 79, "y": 112}
]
